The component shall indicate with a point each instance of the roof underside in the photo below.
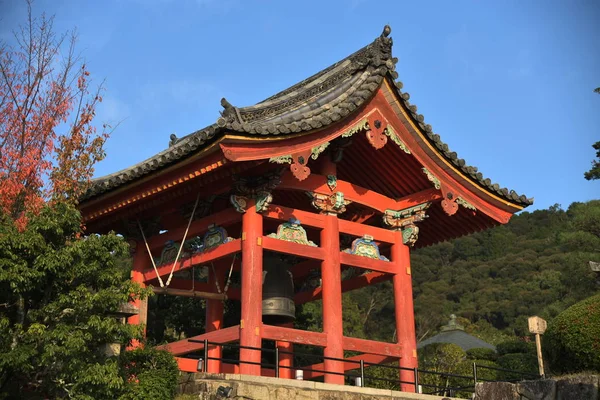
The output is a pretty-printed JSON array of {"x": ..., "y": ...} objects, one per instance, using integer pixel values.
[{"x": 315, "y": 103}]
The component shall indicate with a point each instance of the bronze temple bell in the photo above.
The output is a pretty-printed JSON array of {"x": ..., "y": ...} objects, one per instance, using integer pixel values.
[{"x": 278, "y": 292}]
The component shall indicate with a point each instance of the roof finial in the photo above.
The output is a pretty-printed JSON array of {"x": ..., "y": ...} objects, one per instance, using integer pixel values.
[{"x": 386, "y": 31}]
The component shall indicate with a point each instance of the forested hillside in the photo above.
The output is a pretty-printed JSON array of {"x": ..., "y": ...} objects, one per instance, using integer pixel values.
[{"x": 537, "y": 264}]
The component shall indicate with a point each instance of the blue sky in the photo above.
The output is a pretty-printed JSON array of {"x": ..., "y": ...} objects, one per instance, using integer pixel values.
[{"x": 507, "y": 84}]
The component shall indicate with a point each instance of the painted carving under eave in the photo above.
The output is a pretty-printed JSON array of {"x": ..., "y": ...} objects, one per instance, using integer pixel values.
[
  {"x": 333, "y": 204},
  {"x": 292, "y": 231},
  {"x": 299, "y": 161},
  {"x": 256, "y": 188},
  {"x": 366, "y": 247},
  {"x": 406, "y": 220}
]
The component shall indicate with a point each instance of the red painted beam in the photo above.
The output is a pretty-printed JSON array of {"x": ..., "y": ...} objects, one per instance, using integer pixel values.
[
  {"x": 282, "y": 213},
  {"x": 359, "y": 230},
  {"x": 349, "y": 364},
  {"x": 188, "y": 284},
  {"x": 347, "y": 285},
  {"x": 318, "y": 183},
  {"x": 226, "y": 335},
  {"x": 302, "y": 250},
  {"x": 291, "y": 335},
  {"x": 367, "y": 263},
  {"x": 221, "y": 251},
  {"x": 222, "y": 218},
  {"x": 372, "y": 347},
  {"x": 301, "y": 270},
  {"x": 191, "y": 365}
]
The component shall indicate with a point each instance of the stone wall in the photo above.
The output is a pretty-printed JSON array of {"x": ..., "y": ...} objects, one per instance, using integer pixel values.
[
  {"x": 575, "y": 387},
  {"x": 262, "y": 388}
]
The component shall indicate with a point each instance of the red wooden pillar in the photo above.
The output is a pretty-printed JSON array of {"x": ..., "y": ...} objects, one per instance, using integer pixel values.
[
  {"x": 140, "y": 260},
  {"x": 286, "y": 361},
  {"x": 214, "y": 320},
  {"x": 251, "y": 295},
  {"x": 332, "y": 299},
  {"x": 405, "y": 319}
]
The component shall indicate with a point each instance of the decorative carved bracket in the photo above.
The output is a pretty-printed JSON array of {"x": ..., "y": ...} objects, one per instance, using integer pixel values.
[
  {"x": 406, "y": 220},
  {"x": 376, "y": 133},
  {"x": 366, "y": 247},
  {"x": 450, "y": 200},
  {"x": 389, "y": 131},
  {"x": 257, "y": 188},
  {"x": 333, "y": 204},
  {"x": 292, "y": 231},
  {"x": 332, "y": 182},
  {"x": 298, "y": 161}
]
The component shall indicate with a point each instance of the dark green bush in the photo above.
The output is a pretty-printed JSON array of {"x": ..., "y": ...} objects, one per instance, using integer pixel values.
[
  {"x": 520, "y": 362},
  {"x": 572, "y": 341},
  {"x": 150, "y": 373},
  {"x": 515, "y": 347},
  {"x": 482, "y": 354}
]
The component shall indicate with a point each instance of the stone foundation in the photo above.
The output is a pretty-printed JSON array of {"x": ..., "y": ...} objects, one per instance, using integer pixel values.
[
  {"x": 576, "y": 387},
  {"x": 262, "y": 388}
]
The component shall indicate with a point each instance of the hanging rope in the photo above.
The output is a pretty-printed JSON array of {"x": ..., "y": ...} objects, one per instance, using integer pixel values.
[
  {"x": 162, "y": 285},
  {"x": 183, "y": 241},
  {"x": 150, "y": 254}
]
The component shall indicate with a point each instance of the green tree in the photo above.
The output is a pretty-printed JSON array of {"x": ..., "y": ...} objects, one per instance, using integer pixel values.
[
  {"x": 59, "y": 295},
  {"x": 594, "y": 172}
]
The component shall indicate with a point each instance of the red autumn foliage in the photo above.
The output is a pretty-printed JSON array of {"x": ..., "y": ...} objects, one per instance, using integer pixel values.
[{"x": 48, "y": 144}]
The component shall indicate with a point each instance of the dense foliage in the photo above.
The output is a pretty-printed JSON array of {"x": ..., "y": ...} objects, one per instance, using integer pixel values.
[
  {"x": 572, "y": 341},
  {"x": 59, "y": 293}
]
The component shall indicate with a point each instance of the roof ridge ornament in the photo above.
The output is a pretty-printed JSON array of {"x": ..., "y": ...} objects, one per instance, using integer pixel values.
[
  {"x": 386, "y": 31},
  {"x": 229, "y": 115}
]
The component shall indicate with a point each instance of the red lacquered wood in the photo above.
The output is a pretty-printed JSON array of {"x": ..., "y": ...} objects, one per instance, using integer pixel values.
[
  {"x": 282, "y": 213},
  {"x": 298, "y": 336},
  {"x": 214, "y": 319},
  {"x": 332, "y": 298},
  {"x": 225, "y": 335},
  {"x": 349, "y": 364},
  {"x": 196, "y": 259},
  {"x": 139, "y": 264},
  {"x": 251, "y": 296},
  {"x": 404, "y": 310},
  {"x": 372, "y": 347},
  {"x": 297, "y": 249}
]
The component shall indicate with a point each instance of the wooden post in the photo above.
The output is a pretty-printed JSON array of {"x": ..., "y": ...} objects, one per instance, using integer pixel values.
[
  {"x": 538, "y": 346},
  {"x": 214, "y": 320},
  {"x": 332, "y": 299},
  {"x": 404, "y": 310},
  {"x": 140, "y": 261},
  {"x": 538, "y": 326},
  {"x": 251, "y": 294},
  {"x": 286, "y": 360}
]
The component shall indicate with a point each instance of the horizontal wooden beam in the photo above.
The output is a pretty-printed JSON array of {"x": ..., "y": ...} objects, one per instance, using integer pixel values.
[
  {"x": 367, "y": 263},
  {"x": 301, "y": 250},
  {"x": 216, "y": 253},
  {"x": 189, "y": 293},
  {"x": 372, "y": 347},
  {"x": 226, "y": 335},
  {"x": 357, "y": 194},
  {"x": 282, "y": 213},
  {"x": 350, "y": 364},
  {"x": 188, "y": 285},
  {"x": 359, "y": 230},
  {"x": 347, "y": 285},
  {"x": 302, "y": 269},
  {"x": 221, "y": 218},
  {"x": 294, "y": 335}
]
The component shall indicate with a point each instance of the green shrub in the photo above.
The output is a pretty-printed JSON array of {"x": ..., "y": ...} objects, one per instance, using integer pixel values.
[
  {"x": 150, "y": 373},
  {"x": 515, "y": 347},
  {"x": 520, "y": 362},
  {"x": 572, "y": 341},
  {"x": 482, "y": 353}
]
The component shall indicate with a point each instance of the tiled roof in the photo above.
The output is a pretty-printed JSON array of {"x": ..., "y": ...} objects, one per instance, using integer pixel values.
[{"x": 314, "y": 103}]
